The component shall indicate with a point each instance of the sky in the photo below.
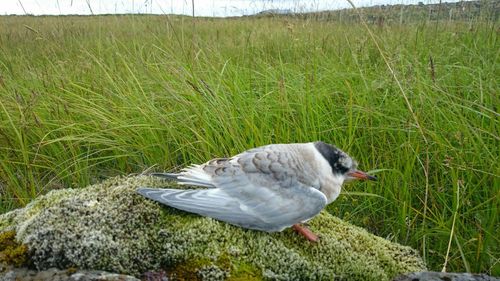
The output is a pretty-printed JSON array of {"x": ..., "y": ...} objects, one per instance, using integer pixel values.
[{"x": 211, "y": 8}]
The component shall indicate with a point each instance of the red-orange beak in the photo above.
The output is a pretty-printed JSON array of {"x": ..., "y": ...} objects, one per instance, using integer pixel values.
[{"x": 361, "y": 175}]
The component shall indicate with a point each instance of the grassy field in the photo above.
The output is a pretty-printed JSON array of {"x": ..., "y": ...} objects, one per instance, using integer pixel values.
[{"x": 85, "y": 98}]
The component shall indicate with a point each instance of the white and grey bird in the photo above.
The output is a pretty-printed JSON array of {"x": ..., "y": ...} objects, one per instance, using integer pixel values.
[{"x": 268, "y": 188}]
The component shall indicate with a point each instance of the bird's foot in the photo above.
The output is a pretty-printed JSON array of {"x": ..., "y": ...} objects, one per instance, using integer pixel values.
[{"x": 304, "y": 231}]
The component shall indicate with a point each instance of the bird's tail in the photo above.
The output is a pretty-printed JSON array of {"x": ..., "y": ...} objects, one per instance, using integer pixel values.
[
  {"x": 194, "y": 175},
  {"x": 168, "y": 176}
]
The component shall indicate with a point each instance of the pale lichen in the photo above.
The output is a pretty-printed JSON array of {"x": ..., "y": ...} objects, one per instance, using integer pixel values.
[{"x": 110, "y": 227}]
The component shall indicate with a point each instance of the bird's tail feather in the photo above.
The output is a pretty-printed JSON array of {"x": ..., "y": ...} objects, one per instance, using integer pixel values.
[
  {"x": 193, "y": 176},
  {"x": 169, "y": 176}
]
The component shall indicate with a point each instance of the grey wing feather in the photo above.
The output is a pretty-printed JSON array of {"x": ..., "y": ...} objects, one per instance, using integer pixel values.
[
  {"x": 273, "y": 213},
  {"x": 213, "y": 203}
]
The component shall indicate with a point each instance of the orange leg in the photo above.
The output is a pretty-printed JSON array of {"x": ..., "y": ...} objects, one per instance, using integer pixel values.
[{"x": 304, "y": 231}]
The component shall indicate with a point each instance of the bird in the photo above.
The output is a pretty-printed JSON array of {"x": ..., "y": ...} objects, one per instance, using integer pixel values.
[{"x": 268, "y": 188}]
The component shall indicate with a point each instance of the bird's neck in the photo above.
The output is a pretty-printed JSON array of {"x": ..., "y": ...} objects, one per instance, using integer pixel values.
[{"x": 331, "y": 187}]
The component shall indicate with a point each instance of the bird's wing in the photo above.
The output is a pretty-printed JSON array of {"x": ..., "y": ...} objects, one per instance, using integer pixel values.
[
  {"x": 253, "y": 207},
  {"x": 267, "y": 188}
]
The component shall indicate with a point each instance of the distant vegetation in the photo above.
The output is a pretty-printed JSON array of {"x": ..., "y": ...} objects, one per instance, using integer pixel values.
[
  {"x": 462, "y": 11},
  {"x": 85, "y": 98}
]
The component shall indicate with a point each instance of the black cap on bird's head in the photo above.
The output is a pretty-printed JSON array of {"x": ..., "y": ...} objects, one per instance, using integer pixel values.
[{"x": 340, "y": 162}]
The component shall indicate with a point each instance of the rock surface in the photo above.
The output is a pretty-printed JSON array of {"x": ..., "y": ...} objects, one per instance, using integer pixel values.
[
  {"x": 53, "y": 274},
  {"x": 444, "y": 276},
  {"x": 109, "y": 227}
]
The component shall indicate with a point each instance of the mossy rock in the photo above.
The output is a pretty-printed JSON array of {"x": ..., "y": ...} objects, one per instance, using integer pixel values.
[{"x": 110, "y": 227}]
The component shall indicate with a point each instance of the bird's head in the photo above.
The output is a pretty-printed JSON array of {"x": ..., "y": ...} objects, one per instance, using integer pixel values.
[{"x": 342, "y": 164}]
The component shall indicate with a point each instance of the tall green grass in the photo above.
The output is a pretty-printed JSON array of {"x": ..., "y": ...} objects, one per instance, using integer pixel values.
[{"x": 85, "y": 98}]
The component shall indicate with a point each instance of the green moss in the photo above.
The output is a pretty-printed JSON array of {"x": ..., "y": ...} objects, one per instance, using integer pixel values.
[
  {"x": 242, "y": 271},
  {"x": 71, "y": 270},
  {"x": 197, "y": 269},
  {"x": 110, "y": 227},
  {"x": 224, "y": 261},
  {"x": 7, "y": 239},
  {"x": 186, "y": 270},
  {"x": 12, "y": 252}
]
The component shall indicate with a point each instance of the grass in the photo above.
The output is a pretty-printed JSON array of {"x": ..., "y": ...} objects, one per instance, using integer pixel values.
[{"x": 85, "y": 98}]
